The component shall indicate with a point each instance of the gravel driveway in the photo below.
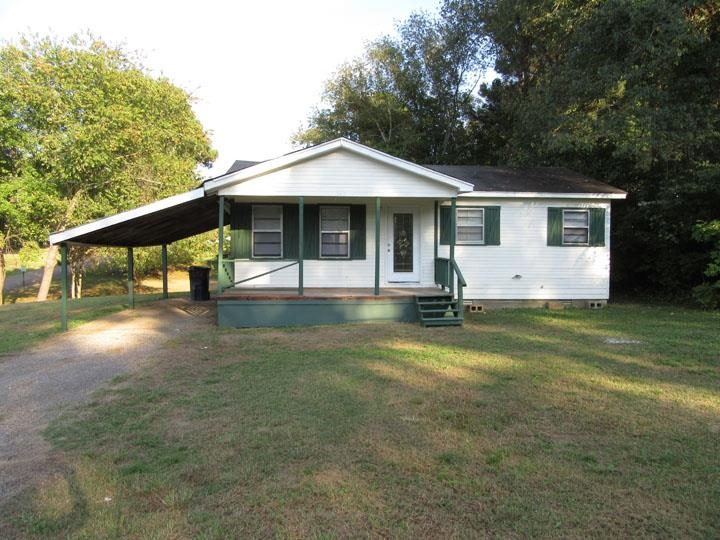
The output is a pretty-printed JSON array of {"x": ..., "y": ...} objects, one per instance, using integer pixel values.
[{"x": 36, "y": 385}]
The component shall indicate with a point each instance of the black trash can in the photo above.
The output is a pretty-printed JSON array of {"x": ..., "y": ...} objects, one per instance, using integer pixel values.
[{"x": 199, "y": 282}]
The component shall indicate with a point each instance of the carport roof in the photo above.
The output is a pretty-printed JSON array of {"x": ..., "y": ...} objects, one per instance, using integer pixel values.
[{"x": 161, "y": 222}]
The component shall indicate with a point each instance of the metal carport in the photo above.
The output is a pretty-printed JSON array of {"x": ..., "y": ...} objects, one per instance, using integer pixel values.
[{"x": 156, "y": 224}]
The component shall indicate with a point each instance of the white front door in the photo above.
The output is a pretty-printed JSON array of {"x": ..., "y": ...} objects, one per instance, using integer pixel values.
[{"x": 403, "y": 245}]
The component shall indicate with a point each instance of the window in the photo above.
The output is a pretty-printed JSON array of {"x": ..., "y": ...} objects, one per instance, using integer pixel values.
[
  {"x": 474, "y": 225},
  {"x": 576, "y": 227},
  {"x": 335, "y": 232},
  {"x": 267, "y": 231},
  {"x": 470, "y": 225}
]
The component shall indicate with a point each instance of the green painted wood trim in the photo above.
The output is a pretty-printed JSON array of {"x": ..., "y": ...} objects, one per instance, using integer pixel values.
[
  {"x": 377, "y": 246},
  {"x": 221, "y": 238},
  {"x": 270, "y": 313},
  {"x": 290, "y": 231},
  {"x": 492, "y": 225},
  {"x": 436, "y": 230},
  {"x": 445, "y": 225},
  {"x": 301, "y": 244},
  {"x": 597, "y": 227},
  {"x": 312, "y": 231},
  {"x": 358, "y": 225},
  {"x": 554, "y": 226},
  {"x": 63, "y": 287},
  {"x": 453, "y": 227},
  {"x": 131, "y": 278},
  {"x": 241, "y": 231},
  {"x": 164, "y": 263}
]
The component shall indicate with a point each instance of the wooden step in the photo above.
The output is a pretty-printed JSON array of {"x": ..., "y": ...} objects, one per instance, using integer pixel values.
[
  {"x": 443, "y": 321},
  {"x": 438, "y": 310}
]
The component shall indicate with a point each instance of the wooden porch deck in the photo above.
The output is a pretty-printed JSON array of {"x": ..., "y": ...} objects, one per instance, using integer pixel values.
[{"x": 353, "y": 293}]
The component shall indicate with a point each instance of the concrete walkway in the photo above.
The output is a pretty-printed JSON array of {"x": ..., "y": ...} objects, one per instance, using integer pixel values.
[{"x": 38, "y": 384}]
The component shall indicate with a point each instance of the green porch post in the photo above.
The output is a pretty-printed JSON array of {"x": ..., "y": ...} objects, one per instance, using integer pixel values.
[
  {"x": 377, "y": 246},
  {"x": 301, "y": 244},
  {"x": 164, "y": 271},
  {"x": 221, "y": 239},
  {"x": 131, "y": 278},
  {"x": 435, "y": 221},
  {"x": 63, "y": 287},
  {"x": 453, "y": 219}
]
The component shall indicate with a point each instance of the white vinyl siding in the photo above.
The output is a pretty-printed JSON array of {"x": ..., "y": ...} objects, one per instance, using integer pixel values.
[
  {"x": 576, "y": 227},
  {"x": 524, "y": 267},
  {"x": 346, "y": 272},
  {"x": 267, "y": 231},
  {"x": 334, "y": 232},
  {"x": 343, "y": 174},
  {"x": 470, "y": 225}
]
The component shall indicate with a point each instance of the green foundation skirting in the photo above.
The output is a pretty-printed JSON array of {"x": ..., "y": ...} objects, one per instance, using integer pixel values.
[{"x": 297, "y": 312}]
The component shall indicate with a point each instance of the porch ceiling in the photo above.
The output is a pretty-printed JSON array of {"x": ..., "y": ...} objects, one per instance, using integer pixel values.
[{"x": 162, "y": 222}]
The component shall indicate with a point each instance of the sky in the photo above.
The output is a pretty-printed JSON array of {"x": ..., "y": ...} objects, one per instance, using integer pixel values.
[{"x": 255, "y": 68}]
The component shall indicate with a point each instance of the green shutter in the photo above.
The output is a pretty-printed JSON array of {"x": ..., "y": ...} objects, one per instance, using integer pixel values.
[
  {"x": 241, "y": 231},
  {"x": 492, "y": 225},
  {"x": 597, "y": 226},
  {"x": 312, "y": 232},
  {"x": 445, "y": 225},
  {"x": 555, "y": 227},
  {"x": 357, "y": 231},
  {"x": 290, "y": 231}
]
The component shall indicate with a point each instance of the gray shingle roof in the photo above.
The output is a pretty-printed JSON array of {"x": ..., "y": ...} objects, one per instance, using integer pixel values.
[
  {"x": 240, "y": 164},
  {"x": 525, "y": 180}
]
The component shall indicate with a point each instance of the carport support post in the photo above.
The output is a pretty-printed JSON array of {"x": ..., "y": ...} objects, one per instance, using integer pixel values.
[
  {"x": 164, "y": 270},
  {"x": 63, "y": 287},
  {"x": 301, "y": 244},
  {"x": 377, "y": 246},
  {"x": 221, "y": 239},
  {"x": 131, "y": 278}
]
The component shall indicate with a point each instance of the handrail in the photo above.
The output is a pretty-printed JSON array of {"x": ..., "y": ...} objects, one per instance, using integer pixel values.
[
  {"x": 461, "y": 279},
  {"x": 261, "y": 275},
  {"x": 461, "y": 284},
  {"x": 447, "y": 278}
]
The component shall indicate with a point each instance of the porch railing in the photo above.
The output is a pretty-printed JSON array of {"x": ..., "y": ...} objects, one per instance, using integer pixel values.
[
  {"x": 446, "y": 271},
  {"x": 260, "y": 275},
  {"x": 226, "y": 273}
]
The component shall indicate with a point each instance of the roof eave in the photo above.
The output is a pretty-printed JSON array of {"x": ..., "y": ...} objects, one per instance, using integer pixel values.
[
  {"x": 67, "y": 235},
  {"x": 542, "y": 195}
]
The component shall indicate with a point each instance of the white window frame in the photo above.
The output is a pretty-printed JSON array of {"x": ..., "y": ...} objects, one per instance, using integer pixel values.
[
  {"x": 346, "y": 231},
  {"x": 280, "y": 230},
  {"x": 458, "y": 227},
  {"x": 587, "y": 227}
]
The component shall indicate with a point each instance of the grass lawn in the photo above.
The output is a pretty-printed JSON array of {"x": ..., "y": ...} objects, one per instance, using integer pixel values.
[{"x": 522, "y": 423}]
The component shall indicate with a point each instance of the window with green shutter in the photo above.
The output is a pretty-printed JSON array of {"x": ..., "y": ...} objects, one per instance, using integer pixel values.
[
  {"x": 576, "y": 227},
  {"x": 276, "y": 231},
  {"x": 475, "y": 225}
]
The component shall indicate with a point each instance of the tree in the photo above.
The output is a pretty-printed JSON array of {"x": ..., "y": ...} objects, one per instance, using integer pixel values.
[
  {"x": 627, "y": 92},
  {"x": 87, "y": 129},
  {"x": 410, "y": 94}
]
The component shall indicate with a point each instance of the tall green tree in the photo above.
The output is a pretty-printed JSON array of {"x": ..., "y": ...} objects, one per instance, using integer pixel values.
[
  {"x": 628, "y": 92},
  {"x": 410, "y": 94},
  {"x": 90, "y": 132}
]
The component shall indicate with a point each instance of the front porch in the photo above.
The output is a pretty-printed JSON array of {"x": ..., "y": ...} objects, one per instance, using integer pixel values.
[{"x": 268, "y": 307}]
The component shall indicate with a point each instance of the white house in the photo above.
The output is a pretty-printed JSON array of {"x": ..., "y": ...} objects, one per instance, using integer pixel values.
[{"x": 343, "y": 232}]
